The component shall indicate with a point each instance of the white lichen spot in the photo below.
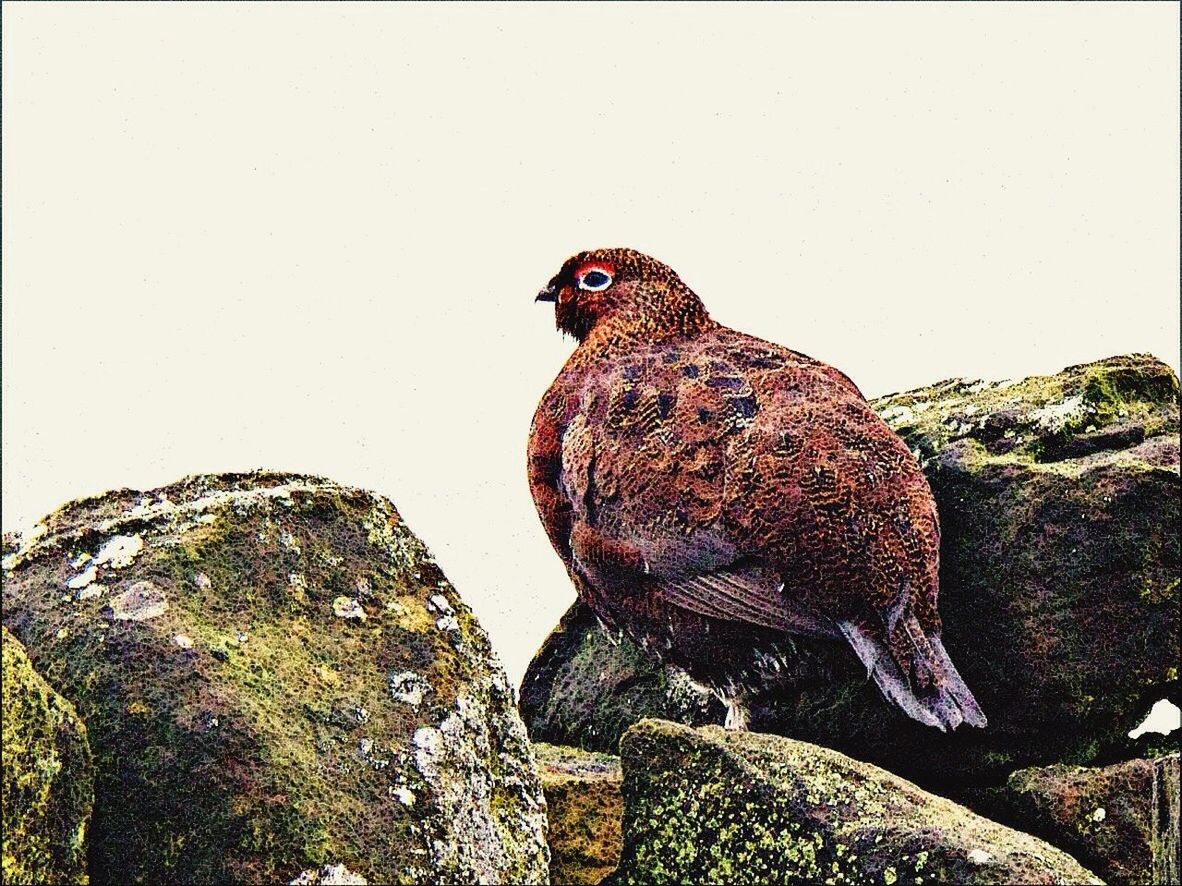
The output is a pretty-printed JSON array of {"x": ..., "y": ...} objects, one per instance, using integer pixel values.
[
  {"x": 81, "y": 560},
  {"x": 1099, "y": 814},
  {"x": 348, "y": 607},
  {"x": 1054, "y": 417},
  {"x": 290, "y": 542},
  {"x": 141, "y": 601},
  {"x": 365, "y": 747},
  {"x": 120, "y": 551},
  {"x": 439, "y": 603},
  {"x": 980, "y": 856},
  {"x": 83, "y": 578},
  {"x": 363, "y": 587},
  {"x": 329, "y": 875},
  {"x": 428, "y": 740},
  {"x": 447, "y": 623},
  {"x": 297, "y": 580},
  {"x": 361, "y": 714},
  {"x": 408, "y": 688},
  {"x": 201, "y": 580},
  {"x": 183, "y": 641},
  {"x": 91, "y": 591},
  {"x": 404, "y": 795},
  {"x": 26, "y": 541},
  {"x": 898, "y": 414},
  {"x": 142, "y": 508}
]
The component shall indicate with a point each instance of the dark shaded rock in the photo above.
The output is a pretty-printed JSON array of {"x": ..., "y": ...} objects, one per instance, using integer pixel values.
[
  {"x": 709, "y": 806},
  {"x": 1059, "y": 589},
  {"x": 48, "y": 777},
  {"x": 586, "y": 686},
  {"x": 248, "y": 725},
  {"x": 1120, "y": 820},
  {"x": 584, "y": 810}
]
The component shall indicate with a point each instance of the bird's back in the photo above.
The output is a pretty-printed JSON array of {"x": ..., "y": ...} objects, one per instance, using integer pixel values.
[{"x": 777, "y": 452}]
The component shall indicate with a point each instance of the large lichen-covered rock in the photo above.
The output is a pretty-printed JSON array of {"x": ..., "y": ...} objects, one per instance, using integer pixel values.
[
  {"x": 48, "y": 777},
  {"x": 276, "y": 677},
  {"x": 709, "y": 806},
  {"x": 584, "y": 809},
  {"x": 1059, "y": 503},
  {"x": 1120, "y": 820}
]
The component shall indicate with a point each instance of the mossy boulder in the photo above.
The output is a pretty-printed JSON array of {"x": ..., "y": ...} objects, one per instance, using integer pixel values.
[
  {"x": 709, "y": 806},
  {"x": 48, "y": 777},
  {"x": 584, "y": 809},
  {"x": 1120, "y": 820},
  {"x": 276, "y": 678},
  {"x": 1059, "y": 503}
]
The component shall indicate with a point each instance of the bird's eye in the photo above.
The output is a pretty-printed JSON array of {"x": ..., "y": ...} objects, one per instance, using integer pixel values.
[{"x": 595, "y": 281}]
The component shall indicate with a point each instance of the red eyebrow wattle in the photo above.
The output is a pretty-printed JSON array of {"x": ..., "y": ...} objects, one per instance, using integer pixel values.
[{"x": 586, "y": 267}]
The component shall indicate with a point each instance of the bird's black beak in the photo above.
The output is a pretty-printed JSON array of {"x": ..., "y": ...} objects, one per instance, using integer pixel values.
[{"x": 550, "y": 293}]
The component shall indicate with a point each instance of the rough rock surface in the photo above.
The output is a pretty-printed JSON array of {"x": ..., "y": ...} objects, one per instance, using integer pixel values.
[
  {"x": 1059, "y": 502},
  {"x": 48, "y": 777},
  {"x": 584, "y": 810},
  {"x": 1120, "y": 820},
  {"x": 247, "y": 724},
  {"x": 709, "y": 806},
  {"x": 586, "y": 686}
]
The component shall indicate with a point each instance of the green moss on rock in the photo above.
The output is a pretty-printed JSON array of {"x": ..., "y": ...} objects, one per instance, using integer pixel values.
[
  {"x": 1121, "y": 820},
  {"x": 48, "y": 777},
  {"x": 709, "y": 806},
  {"x": 246, "y": 729}
]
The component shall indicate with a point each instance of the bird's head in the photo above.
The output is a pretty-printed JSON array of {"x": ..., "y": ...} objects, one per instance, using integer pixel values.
[{"x": 624, "y": 292}]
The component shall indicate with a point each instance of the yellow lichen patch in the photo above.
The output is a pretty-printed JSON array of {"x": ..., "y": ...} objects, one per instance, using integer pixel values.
[
  {"x": 48, "y": 789},
  {"x": 584, "y": 809},
  {"x": 411, "y": 614}
]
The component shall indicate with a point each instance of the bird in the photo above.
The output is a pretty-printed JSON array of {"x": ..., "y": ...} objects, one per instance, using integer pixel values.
[{"x": 714, "y": 496}]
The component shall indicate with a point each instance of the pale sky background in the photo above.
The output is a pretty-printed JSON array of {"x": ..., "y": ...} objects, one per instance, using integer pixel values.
[{"x": 308, "y": 237}]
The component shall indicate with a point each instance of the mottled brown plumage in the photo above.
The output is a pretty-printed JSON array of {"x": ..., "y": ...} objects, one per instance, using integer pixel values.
[{"x": 712, "y": 494}]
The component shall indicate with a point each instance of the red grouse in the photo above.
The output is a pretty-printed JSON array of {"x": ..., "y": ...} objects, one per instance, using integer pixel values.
[{"x": 712, "y": 494}]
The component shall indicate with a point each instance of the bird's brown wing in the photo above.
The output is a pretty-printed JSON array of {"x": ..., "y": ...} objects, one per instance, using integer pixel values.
[
  {"x": 701, "y": 576},
  {"x": 544, "y": 467},
  {"x": 643, "y": 466}
]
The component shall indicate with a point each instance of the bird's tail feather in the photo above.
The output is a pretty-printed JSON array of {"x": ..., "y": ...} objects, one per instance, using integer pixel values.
[{"x": 945, "y": 703}]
